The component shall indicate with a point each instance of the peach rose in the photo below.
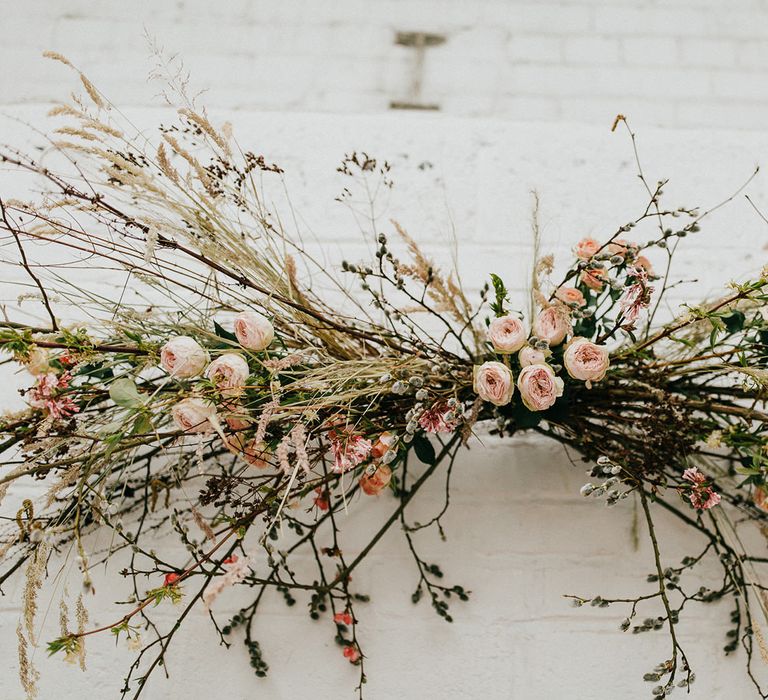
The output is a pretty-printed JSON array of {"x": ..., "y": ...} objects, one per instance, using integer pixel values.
[
  {"x": 494, "y": 382},
  {"x": 619, "y": 246},
  {"x": 570, "y": 296},
  {"x": 552, "y": 324},
  {"x": 507, "y": 334},
  {"x": 594, "y": 278},
  {"x": 586, "y": 248},
  {"x": 531, "y": 356},
  {"x": 372, "y": 484},
  {"x": 642, "y": 262},
  {"x": 382, "y": 444},
  {"x": 229, "y": 373},
  {"x": 253, "y": 331},
  {"x": 760, "y": 498},
  {"x": 585, "y": 360},
  {"x": 183, "y": 357},
  {"x": 194, "y": 415},
  {"x": 539, "y": 387}
]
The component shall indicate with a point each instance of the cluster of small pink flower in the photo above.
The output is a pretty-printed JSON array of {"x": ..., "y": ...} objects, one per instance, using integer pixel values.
[
  {"x": 701, "y": 495},
  {"x": 47, "y": 394}
]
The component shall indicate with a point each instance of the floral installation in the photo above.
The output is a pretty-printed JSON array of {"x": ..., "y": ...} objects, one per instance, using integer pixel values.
[{"x": 234, "y": 379}]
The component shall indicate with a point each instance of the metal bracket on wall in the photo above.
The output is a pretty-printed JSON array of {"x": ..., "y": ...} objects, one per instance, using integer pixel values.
[{"x": 419, "y": 41}]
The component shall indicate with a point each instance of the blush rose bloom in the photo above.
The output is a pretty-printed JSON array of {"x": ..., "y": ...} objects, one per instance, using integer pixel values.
[
  {"x": 539, "y": 387},
  {"x": 183, "y": 357},
  {"x": 494, "y": 382},
  {"x": 585, "y": 360},
  {"x": 253, "y": 331},
  {"x": 194, "y": 415},
  {"x": 586, "y": 248},
  {"x": 552, "y": 324},
  {"x": 570, "y": 295},
  {"x": 229, "y": 373},
  {"x": 507, "y": 334}
]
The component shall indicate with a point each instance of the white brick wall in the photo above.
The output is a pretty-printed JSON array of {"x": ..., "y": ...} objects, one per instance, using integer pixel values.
[
  {"x": 673, "y": 63},
  {"x": 519, "y": 534},
  {"x": 531, "y": 538}
]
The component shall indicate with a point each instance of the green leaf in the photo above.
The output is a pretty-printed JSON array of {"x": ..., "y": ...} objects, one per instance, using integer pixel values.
[
  {"x": 124, "y": 393},
  {"x": 222, "y": 333},
  {"x": 734, "y": 322},
  {"x": 142, "y": 424},
  {"x": 424, "y": 449},
  {"x": 501, "y": 295}
]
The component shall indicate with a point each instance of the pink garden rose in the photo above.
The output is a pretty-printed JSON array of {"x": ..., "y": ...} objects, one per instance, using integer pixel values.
[
  {"x": 539, "y": 387},
  {"x": 531, "y": 356},
  {"x": 585, "y": 360},
  {"x": 253, "y": 331},
  {"x": 183, "y": 357},
  {"x": 594, "y": 278},
  {"x": 194, "y": 415},
  {"x": 586, "y": 248},
  {"x": 552, "y": 324},
  {"x": 507, "y": 334},
  {"x": 494, "y": 382},
  {"x": 570, "y": 295},
  {"x": 229, "y": 373}
]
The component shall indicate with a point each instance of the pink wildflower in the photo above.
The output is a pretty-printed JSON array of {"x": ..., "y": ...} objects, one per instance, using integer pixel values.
[
  {"x": 236, "y": 571},
  {"x": 46, "y": 395},
  {"x": 701, "y": 497},
  {"x": 439, "y": 419},
  {"x": 349, "y": 450},
  {"x": 636, "y": 296}
]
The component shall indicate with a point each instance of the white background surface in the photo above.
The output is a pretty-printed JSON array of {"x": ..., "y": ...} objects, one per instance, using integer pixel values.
[{"x": 519, "y": 535}]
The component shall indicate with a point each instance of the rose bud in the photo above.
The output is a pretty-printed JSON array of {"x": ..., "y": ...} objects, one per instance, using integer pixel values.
[
  {"x": 183, "y": 357},
  {"x": 229, "y": 373},
  {"x": 253, "y": 331},
  {"x": 194, "y": 415}
]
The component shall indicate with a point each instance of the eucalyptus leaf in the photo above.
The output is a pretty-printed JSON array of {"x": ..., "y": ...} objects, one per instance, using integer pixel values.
[{"x": 124, "y": 393}]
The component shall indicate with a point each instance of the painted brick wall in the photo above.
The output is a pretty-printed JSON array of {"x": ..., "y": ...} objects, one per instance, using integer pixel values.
[
  {"x": 519, "y": 536},
  {"x": 672, "y": 63}
]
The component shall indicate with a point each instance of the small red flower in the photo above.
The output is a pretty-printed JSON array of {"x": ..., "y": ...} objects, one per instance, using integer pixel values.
[
  {"x": 352, "y": 653},
  {"x": 230, "y": 560},
  {"x": 170, "y": 579},
  {"x": 343, "y": 618},
  {"x": 321, "y": 500}
]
